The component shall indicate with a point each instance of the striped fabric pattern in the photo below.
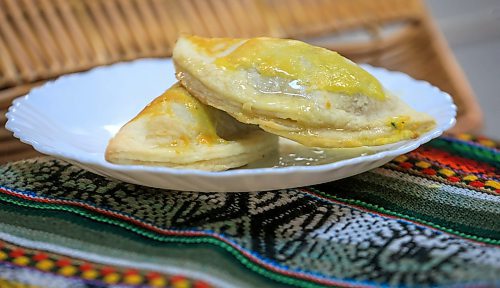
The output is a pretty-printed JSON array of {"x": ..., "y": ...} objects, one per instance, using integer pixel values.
[{"x": 427, "y": 218}]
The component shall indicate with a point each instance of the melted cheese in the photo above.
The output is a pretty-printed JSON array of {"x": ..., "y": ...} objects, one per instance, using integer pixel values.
[
  {"x": 202, "y": 123},
  {"x": 212, "y": 46},
  {"x": 309, "y": 66}
]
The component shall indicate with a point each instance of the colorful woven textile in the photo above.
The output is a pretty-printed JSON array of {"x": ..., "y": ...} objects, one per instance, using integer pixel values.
[{"x": 428, "y": 218}]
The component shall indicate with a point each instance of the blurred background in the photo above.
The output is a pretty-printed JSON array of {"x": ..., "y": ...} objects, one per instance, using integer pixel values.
[{"x": 472, "y": 30}]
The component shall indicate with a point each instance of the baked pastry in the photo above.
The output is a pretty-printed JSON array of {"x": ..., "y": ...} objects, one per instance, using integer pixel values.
[
  {"x": 176, "y": 130},
  {"x": 305, "y": 93}
]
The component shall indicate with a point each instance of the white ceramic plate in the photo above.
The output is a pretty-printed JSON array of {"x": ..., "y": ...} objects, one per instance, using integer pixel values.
[{"x": 73, "y": 118}]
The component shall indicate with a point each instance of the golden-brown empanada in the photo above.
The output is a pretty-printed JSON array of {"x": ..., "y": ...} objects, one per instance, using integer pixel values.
[
  {"x": 305, "y": 93},
  {"x": 176, "y": 130}
]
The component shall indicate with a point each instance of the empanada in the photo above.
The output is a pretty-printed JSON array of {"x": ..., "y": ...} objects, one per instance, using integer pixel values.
[
  {"x": 177, "y": 130},
  {"x": 305, "y": 93}
]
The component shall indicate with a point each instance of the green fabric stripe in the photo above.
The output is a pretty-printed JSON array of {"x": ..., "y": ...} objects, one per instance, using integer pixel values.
[
  {"x": 431, "y": 200},
  {"x": 428, "y": 200},
  {"x": 459, "y": 218},
  {"x": 384, "y": 210},
  {"x": 155, "y": 236},
  {"x": 380, "y": 201},
  {"x": 467, "y": 151},
  {"x": 107, "y": 240},
  {"x": 434, "y": 190}
]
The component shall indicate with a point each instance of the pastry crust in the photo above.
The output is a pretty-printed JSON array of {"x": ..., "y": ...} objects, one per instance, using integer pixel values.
[
  {"x": 176, "y": 130},
  {"x": 286, "y": 92}
]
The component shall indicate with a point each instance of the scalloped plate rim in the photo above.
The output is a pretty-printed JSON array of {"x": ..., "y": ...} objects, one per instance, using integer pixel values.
[{"x": 408, "y": 146}]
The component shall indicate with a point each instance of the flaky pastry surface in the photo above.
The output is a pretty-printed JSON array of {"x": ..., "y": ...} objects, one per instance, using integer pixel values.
[
  {"x": 177, "y": 130},
  {"x": 307, "y": 94}
]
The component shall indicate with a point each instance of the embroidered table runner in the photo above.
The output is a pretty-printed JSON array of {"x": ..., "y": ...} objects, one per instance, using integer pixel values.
[{"x": 427, "y": 218}]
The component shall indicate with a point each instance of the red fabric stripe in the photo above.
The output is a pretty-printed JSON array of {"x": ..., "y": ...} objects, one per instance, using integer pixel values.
[{"x": 447, "y": 160}]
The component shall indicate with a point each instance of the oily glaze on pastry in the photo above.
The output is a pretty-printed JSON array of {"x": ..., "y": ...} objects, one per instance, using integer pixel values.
[
  {"x": 305, "y": 93},
  {"x": 176, "y": 130}
]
